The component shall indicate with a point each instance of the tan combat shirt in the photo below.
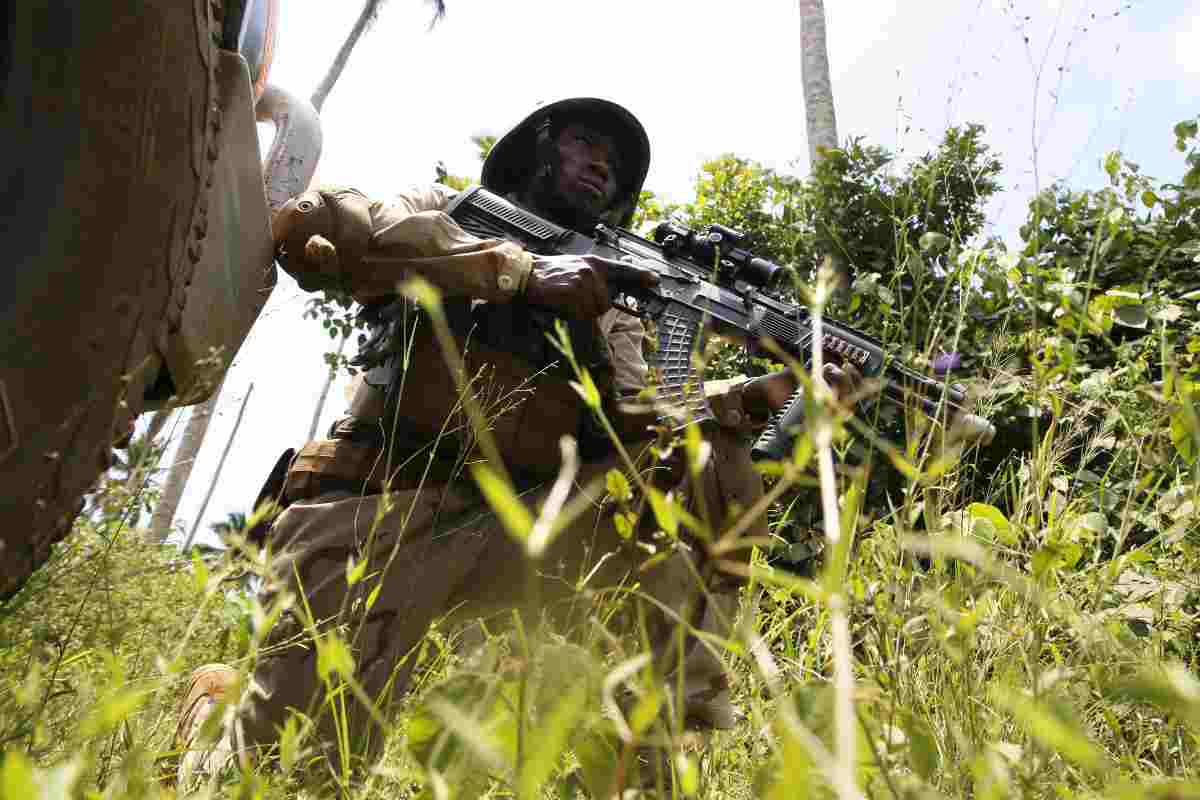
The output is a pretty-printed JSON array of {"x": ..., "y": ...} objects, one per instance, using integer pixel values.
[
  {"x": 414, "y": 226},
  {"x": 424, "y": 241}
]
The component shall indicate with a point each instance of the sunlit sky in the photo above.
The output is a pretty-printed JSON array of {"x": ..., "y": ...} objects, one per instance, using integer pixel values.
[{"x": 1057, "y": 83}]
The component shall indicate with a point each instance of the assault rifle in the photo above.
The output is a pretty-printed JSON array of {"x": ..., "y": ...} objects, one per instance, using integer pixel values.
[{"x": 708, "y": 279}]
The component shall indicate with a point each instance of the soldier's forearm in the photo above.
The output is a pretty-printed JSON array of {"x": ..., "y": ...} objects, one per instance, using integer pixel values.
[{"x": 497, "y": 273}]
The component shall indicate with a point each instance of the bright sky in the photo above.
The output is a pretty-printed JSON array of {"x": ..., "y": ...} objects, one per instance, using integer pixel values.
[{"x": 705, "y": 78}]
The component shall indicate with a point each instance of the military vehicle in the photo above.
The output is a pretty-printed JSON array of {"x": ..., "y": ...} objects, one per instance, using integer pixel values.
[{"x": 135, "y": 224}]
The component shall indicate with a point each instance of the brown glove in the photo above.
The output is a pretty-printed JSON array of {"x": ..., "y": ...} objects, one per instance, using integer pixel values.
[
  {"x": 578, "y": 286},
  {"x": 768, "y": 394},
  {"x": 308, "y": 224}
]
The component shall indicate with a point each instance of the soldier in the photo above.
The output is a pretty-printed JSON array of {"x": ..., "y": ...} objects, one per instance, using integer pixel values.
[{"x": 440, "y": 550}]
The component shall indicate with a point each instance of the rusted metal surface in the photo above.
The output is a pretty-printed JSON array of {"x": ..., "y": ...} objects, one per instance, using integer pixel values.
[
  {"x": 236, "y": 271},
  {"x": 111, "y": 133},
  {"x": 136, "y": 232}
]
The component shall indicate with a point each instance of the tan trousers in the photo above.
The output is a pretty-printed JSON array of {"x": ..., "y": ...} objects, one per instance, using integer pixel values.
[{"x": 440, "y": 552}]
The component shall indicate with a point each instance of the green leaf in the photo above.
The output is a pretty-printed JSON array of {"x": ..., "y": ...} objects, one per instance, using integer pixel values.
[
  {"x": 1092, "y": 524},
  {"x": 553, "y": 733},
  {"x": 802, "y": 452},
  {"x": 355, "y": 570},
  {"x": 374, "y": 595},
  {"x": 424, "y": 293},
  {"x": 16, "y": 777},
  {"x": 1112, "y": 165},
  {"x": 333, "y": 657},
  {"x": 664, "y": 511},
  {"x": 618, "y": 486},
  {"x": 113, "y": 708},
  {"x": 561, "y": 339},
  {"x": 1183, "y": 435},
  {"x": 809, "y": 589},
  {"x": 689, "y": 774},
  {"x": 199, "y": 571},
  {"x": 646, "y": 711},
  {"x": 290, "y": 740},
  {"x": 902, "y": 464},
  {"x": 474, "y": 736},
  {"x": 1003, "y": 528},
  {"x": 696, "y": 447},
  {"x": 504, "y": 501},
  {"x": 598, "y": 761},
  {"x": 624, "y": 523},
  {"x": 933, "y": 242},
  {"x": 1050, "y": 726},
  {"x": 923, "y": 750},
  {"x": 585, "y": 387},
  {"x": 1055, "y": 555},
  {"x": 1172, "y": 688},
  {"x": 1183, "y": 131}
]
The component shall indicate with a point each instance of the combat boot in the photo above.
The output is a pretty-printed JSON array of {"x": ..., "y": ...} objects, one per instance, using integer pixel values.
[{"x": 209, "y": 734}]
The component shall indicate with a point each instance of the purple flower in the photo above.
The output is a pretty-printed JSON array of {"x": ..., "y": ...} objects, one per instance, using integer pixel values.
[{"x": 946, "y": 362}]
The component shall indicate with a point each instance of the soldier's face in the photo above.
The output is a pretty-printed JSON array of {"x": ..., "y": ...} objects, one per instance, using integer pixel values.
[{"x": 587, "y": 174}]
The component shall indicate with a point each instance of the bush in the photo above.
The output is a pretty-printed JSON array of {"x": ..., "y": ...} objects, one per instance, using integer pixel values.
[{"x": 1014, "y": 621}]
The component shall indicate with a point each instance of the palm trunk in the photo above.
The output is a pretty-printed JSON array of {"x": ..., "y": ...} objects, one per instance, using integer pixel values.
[
  {"x": 181, "y": 468},
  {"x": 237, "y": 423},
  {"x": 329, "y": 379},
  {"x": 369, "y": 11},
  {"x": 814, "y": 74},
  {"x": 818, "y": 101},
  {"x": 157, "y": 421}
]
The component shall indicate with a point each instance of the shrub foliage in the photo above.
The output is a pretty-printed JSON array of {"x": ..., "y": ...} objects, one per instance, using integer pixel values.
[{"x": 1022, "y": 616}]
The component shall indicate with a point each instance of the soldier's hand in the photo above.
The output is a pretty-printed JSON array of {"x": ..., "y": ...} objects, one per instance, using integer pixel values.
[
  {"x": 581, "y": 286},
  {"x": 773, "y": 391},
  {"x": 844, "y": 380},
  {"x": 321, "y": 234}
]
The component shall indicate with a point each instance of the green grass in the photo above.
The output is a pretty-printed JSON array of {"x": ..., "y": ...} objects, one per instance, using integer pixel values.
[
  {"x": 1017, "y": 622},
  {"x": 995, "y": 654}
]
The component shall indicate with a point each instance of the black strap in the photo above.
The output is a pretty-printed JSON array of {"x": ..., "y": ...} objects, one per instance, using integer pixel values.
[{"x": 271, "y": 492}]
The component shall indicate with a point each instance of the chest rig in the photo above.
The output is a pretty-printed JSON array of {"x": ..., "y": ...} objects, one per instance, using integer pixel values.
[{"x": 519, "y": 379}]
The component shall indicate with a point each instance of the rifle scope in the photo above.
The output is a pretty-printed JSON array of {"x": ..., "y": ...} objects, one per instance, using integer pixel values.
[{"x": 723, "y": 247}]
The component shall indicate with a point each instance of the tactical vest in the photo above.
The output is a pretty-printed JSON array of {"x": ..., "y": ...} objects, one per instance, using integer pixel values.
[{"x": 521, "y": 382}]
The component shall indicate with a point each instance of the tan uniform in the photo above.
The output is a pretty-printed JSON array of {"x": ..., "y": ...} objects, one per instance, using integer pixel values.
[{"x": 435, "y": 549}]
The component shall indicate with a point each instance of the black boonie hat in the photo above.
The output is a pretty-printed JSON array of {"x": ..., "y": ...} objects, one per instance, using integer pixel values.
[{"x": 512, "y": 160}]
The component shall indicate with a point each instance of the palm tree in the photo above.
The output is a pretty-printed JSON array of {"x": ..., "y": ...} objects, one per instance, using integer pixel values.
[
  {"x": 818, "y": 99},
  {"x": 181, "y": 468},
  {"x": 814, "y": 74},
  {"x": 237, "y": 423}
]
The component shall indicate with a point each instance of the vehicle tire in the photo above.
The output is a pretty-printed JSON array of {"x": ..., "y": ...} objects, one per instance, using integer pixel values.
[{"x": 111, "y": 128}]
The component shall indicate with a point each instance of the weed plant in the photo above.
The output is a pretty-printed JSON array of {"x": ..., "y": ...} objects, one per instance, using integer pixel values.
[{"x": 1011, "y": 621}]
